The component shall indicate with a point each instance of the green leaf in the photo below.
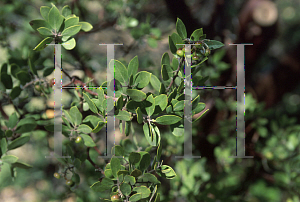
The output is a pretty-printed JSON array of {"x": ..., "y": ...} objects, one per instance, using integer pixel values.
[
  {"x": 135, "y": 197},
  {"x": 67, "y": 115},
  {"x": 127, "y": 127},
  {"x": 43, "y": 44},
  {"x": 70, "y": 31},
  {"x": 167, "y": 119},
  {"x": 125, "y": 189},
  {"x": 8, "y": 133},
  {"x": 76, "y": 115},
  {"x": 172, "y": 46},
  {"x": 148, "y": 177},
  {"x": 24, "y": 77},
  {"x": 115, "y": 166},
  {"x": 48, "y": 71},
  {"x": 100, "y": 92},
  {"x": 139, "y": 115},
  {"x": 55, "y": 19},
  {"x": 21, "y": 165},
  {"x": 165, "y": 72},
  {"x": 26, "y": 125},
  {"x": 133, "y": 66},
  {"x": 159, "y": 150},
  {"x": 177, "y": 129},
  {"x": 136, "y": 95},
  {"x": 120, "y": 103},
  {"x": 136, "y": 173},
  {"x": 71, "y": 22},
  {"x": 142, "y": 79},
  {"x": 151, "y": 108},
  {"x": 145, "y": 161},
  {"x": 102, "y": 186},
  {"x": 45, "y": 31},
  {"x": 213, "y": 44},
  {"x": 200, "y": 107},
  {"x": 44, "y": 12},
  {"x": 88, "y": 141},
  {"x": 108, "y": 173},
  {"x": 32, "y": 67},
  {"x": 3, "y": 145},
  {"x": 35, "y": 24},
  {"x": 165, "y": 59},
  {"x": 4, "y": 68},
  {"x": 92, "y": 106},
  {"x": 195, "y": 102},
  {"x": 175, "y": 64},
  {"x": 166, "y": 172},
  {"x": 14, "y": 69},
  {"x": 161, "y": 101},
  {"x": 177, "y": 40},
  {"x": 129, "y": 179},
  {"x": 70, "y": 44},
  {"x": 66, "y": 11},
  {"x": 16, "y": 91},
  {"x": 84, "y": 128},
  {"x": 85, "y": 26},
  {"x": 12, "y": 121},
  {"x": 148, "y": 134},
  {"x": 180, "y": 28},
  {"x": 9, "y": 159},
  {"x": 197, "y": 34},
  {"x": 134, "y": 158},
  {"x": 20, "y": 141},
  {"x": 119, "y": 151},
  {"x": 6, "y": 80},
  {"x": 120, "y": 70},
  {"x": 155, "y": 82},
  {"x": 179, "y": 106},
  {"x": 123, "y": 115},
  {"x": 143, "y": 190}
]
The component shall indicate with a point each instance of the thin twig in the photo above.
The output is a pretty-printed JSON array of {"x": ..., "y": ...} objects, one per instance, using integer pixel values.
[{"x": 176, "y": 74}]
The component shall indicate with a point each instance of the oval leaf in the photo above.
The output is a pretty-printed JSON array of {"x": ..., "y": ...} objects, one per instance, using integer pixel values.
[
  {"x": 70, "y": 31},
  {"x": 136, "y": 95},
  {"x": 45, "y": 31},
  {"x": 85, "y": 26},
  {"x": 70, "y": 44},
  {"x": 18, "y": 142},
  {"x": 180, "y": 28},
  {"x": 167, "y": 119},
  {"x": 54, "y": 18},
  {"x": 9, "y": 159},
  {"x": 123, "y": 115},
  {"x": 43, "y": 44},
  {"x": 88, "y": 141},
  {"x": 133, "y": 66},
  {"x": 92, "y": 106}
]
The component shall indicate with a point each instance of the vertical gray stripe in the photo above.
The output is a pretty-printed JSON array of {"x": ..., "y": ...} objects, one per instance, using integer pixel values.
[
  {"x": 188, "y": 144},
  {"x": 110, "y": 102},
  {"x": 110, "y": 93},
  {"x": 240, "y": 145},
  {"x": 188, "y": 124},
  {"x": 58, "y": 137},
  {"x": 240, "y": 125}
]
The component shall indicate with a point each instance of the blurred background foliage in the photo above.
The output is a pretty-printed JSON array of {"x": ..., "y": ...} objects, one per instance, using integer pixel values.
[{"x": 272, "y": 70}]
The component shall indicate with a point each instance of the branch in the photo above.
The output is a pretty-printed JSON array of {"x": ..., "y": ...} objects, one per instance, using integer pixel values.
[{"x": 176, "y": 74}]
